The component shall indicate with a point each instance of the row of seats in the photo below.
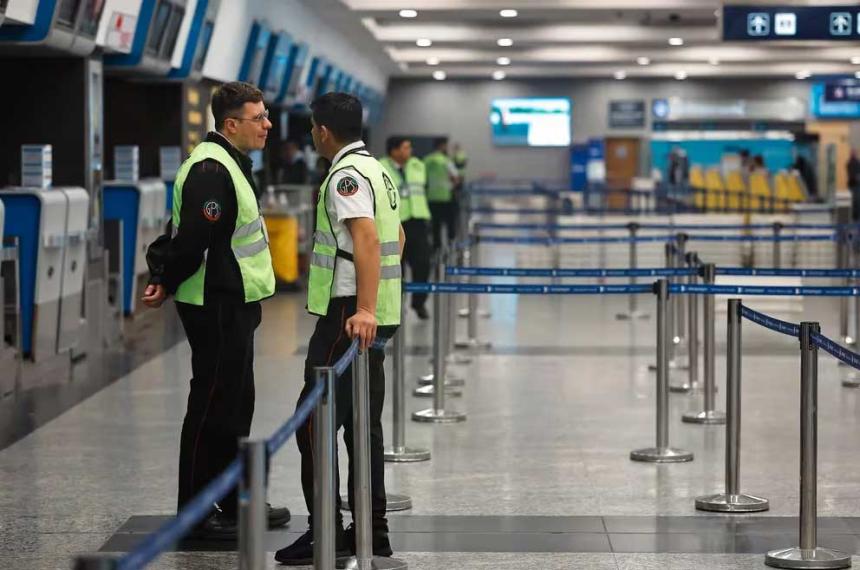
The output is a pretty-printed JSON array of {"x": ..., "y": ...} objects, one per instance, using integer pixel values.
[{"x": 759, "y": 192}]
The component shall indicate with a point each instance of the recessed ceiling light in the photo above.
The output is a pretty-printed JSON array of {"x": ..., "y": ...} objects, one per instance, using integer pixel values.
[
  {"x": 676, "y": 41},
  {"x": 504, "y": 61},
  {"x": 620, "y": 75},
  {"x": 508, "y": 13},
  {"x": 803, "y": 74},
  {"x": 439, "y": 75},
  {"x": 423, "y": 42},
  {"x": 856, "y": 60},
  {"x": 408, "y": 13},
  {"x": 499, "y": 75},
  {"x": 714, "y": 61},
  {"x": 643, "y": 60},
  {"x": 681, "y": 75},
  {"x": 505, "y": 42},
  {"x": 432, "y": 61}
]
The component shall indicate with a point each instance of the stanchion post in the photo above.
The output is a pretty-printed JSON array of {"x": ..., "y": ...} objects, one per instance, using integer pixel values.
[
  {"x": 103, "y": 561},
  {"x": 324, "y": 479},
  {"x": 709, "y": 415},
  {"x": 733, "y": 501},
  {"x": 777, "y": 245},
  {"x": 662, "y": 453},
  {"x": 692, "y": 383},
  {"x": 633, "y": 311},
  {"x": 438, "y": 413},
  {"x": 426, "y": 380},
  {"x": 252, "y": 505},
  {"x": 441, "y": 332},
  {"x": 680, "y": 300},
  {"x": 843, "y": 254},
  {"x": 399, "y": 452},
  {"x": 450, "y": 353},
  {"x": 473, "y": 341},
  {"x": 808, "y": 554}
]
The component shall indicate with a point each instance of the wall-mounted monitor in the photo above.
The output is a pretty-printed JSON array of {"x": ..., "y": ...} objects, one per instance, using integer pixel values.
[
  {"x": 67, "y": 13},
  {"x": 159, "y": 25},
  {"x": 275, "y": 67},
  {"x": 533, "y": 121},
  {"x": 203, "y": 44},
  {"x": 91, "y": 17},
  {"x": 255, "y": 53},
  {"x": 295, "y": 69},
  {"x": 171, "y": 33}
]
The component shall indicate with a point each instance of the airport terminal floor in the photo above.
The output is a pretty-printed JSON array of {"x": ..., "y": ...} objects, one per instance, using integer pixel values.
[{"x": 538, "y": 476}]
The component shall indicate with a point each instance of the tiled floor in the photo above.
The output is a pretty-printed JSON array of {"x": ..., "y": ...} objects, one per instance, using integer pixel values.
[{"x": 552, "y": 417}]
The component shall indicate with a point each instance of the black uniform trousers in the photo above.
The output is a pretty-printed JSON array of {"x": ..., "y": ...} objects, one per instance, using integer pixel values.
[
  {"x": 444, "y": 213},
  {"x": 416, "y": 254},
  {"x": 328, "y": 343},
  {"x": 221, "y": 401}
]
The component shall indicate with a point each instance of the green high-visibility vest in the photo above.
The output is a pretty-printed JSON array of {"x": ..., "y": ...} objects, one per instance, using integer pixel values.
[
  {"x": 250, "y": 242},
  {"x": 439, "y": 186},
  {"x": 413, "y": 193},
  {"x": 326, "y": 253},
  {"x": 460, "y": 161}
]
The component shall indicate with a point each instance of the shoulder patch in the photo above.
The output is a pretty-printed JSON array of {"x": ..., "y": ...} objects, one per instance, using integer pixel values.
[
  {"x": 212, "y": 210},
  {"x": 347, "y": 186}
]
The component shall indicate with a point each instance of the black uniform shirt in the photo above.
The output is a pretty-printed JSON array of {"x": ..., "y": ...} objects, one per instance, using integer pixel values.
[{"x": 208, "y": 214}]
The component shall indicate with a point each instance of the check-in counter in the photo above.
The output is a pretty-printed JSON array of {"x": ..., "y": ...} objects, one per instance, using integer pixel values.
[
  {"x": 134, "y": 216},
  {"x": 36, "y": 218},
  {"x": 71, "y": 324},
  {"x": 10, "y": 334}
]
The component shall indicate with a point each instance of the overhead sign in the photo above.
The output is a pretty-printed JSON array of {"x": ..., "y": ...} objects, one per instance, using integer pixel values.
[
  {"x": 789, "y": 109},
  {"x": 823, "y": 108},
  {"x": 627, "y": 114},
  {"x": 841, "y": 92},
  {"x": 798, "y": 23}
]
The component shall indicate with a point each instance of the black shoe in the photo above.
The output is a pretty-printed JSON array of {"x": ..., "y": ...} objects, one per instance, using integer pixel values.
[
  {"x": 381, "y": 544},
  {"x": 421, "y": 312},
  {"x": 301, "y": 552},
  {"x": 216, "y": 527},
  {"x": 278, "y": 516}
]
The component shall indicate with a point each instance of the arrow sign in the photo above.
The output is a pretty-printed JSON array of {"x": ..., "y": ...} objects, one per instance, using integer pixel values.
[
  {"x": 840, "y": 23},
  {"x": 758, "y": 24}
]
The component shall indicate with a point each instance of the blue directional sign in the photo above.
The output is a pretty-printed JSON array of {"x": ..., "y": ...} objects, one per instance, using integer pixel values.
[
  {"x": 791, "y": 23},
  {"x": 839, "y": 92}
]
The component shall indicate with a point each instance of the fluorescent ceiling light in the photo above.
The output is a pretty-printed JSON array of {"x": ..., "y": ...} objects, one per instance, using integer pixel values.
[
  {"x": 620, "y": 75},
  {"x": 856, "y": 60},
  {"x": 508, "y": 13},
  {"x": 439, "y": 75},
  {"x": 504, "y": 61},
  {"x": 643, "y": 60},
  {"x": 408, "y": 13},
  {"x": 714, "y": 61},
  {"x": 681, "y": 75},
  {"x": 432, "y": 61},
  {"x": 803, "y": 74},
  {"x": 505, "y": 42},
  {"x": 676, "y": 41},
  {"x": 423, "y": 42},
  {"x": 499, "y": 75}
]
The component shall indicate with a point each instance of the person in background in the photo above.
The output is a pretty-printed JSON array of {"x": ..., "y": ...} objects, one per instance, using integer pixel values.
[
  {"x": 294, "y": 168},
  {"x": 410, "y": 176},
  {"x": 757, "y": 164},
  {"x": 461, "y": 161},
  {"x": 442, "y": 177},
  {"x": 853, "y": 168},
  {"x": 320, "y": 172},
  {"x": 215, "y": 261},
  {"x": 806, "y": 172}
]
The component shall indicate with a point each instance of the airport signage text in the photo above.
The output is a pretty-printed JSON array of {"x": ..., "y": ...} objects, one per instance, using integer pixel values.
[{"x": 791, "y": 23}]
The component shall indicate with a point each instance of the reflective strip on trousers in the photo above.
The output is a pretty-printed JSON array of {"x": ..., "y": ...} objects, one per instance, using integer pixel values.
[
  {"x": 390, "y": 248},
  {"x": 250, "y": 250},
  {"x": 248, "y": 229},
  {"x": 323, "y": 238},
  {"x": 390, "y": 272},
  {"x": 324, "y": 261}
]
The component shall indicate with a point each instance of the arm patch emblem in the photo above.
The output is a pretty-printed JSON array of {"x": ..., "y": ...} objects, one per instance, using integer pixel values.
[{"x": 347, "y": 186}]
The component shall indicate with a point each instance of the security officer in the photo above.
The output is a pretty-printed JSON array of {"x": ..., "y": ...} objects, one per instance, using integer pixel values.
[
  {"x": 410, "y": 176},
  {"x": 217, "y": 266},
  {"x": 441, "y": 177},
  {"x": 461, "y": 161},
  {"x": 354, "y": 288}
]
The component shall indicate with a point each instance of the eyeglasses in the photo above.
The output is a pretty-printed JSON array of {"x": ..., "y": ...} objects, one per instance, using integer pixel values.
[{"x": 264, "y": 116}]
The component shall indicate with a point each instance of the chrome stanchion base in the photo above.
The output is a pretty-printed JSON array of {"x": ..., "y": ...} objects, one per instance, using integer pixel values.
[
  {"x": 686, "y": 388},
  {"x": 464, "y": 313},
  {"x": 801, "y": 558},
  {"x": 424, "y": 381},
  {"x": 712, "y": 417},
  {"x": 661, "y": 455},
  {"x": 851, "y": 381},
  {"x": 450, "y": 376},
  {"x": 723, "y": 503},
  {"x": 635, "y": 315},
  {"x": 428, "y": 391},
  {"x": 455, "y": 358},
  {"x": 393, "y": 503},
  {"x": 406, "y": 454},
  {"x": 379, "y": 563},
  {"x": 674, "y": 364},
  {"x": 438, "y": 416},
  {"x": 474, "y": 344}
]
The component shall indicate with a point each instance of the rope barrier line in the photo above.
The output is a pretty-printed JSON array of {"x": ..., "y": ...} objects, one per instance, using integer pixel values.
[
  {"x": 784, "y": 291},
  {"x": 670, "y": 227},
  {"x": 653, "y": 239},
  {"x": 771, "y": 323},
  {"x": 185, "y": 520},
  {"x": 847, "y": 356},
  {"x": 537, "y": 272},
  {"x": 777, "y": 272}
]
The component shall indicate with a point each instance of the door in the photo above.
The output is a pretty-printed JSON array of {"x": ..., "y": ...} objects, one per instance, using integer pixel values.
[{"x": 622, "y": 165}]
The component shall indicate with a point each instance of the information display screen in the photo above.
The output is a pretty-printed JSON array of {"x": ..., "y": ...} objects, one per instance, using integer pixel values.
[
  {"x": 791, "y": 23},
  {"x": 531, "y": 121}
]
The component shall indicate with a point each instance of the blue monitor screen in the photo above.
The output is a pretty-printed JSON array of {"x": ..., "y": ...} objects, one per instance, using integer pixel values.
[{"x": 540, "y": 121}]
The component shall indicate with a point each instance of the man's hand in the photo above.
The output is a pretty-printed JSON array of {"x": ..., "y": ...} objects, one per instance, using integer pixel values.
[
  {"x": 362, "y": 325},
  {"x": 154, "y": 296}
]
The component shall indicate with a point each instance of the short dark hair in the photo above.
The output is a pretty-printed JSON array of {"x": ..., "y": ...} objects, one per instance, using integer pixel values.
[
  {"x": 340, "y": 113},
  {"x": 394, "y": 142},
  {"x": 230, "y": 97},
  {"x": 440, "y": 142}
]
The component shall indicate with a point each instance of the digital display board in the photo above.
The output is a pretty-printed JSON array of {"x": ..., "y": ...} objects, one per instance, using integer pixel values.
[
  {"x": 821, "y": 108},
  {"x": 534, "y": 121},
  {"x": 791, "y": 23}
]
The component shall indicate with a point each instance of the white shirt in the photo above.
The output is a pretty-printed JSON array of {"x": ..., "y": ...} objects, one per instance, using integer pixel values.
[{"x": 353, "y": 200}]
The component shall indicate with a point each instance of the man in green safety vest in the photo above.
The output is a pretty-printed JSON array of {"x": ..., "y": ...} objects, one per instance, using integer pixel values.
[
  {"x": 354, "y": 288},
  {"x": 215, "y": 261},
  {"x": 410, "y": 176},
  {"x": 460, "y": 161},
  {"x": 442, "y": 177}
]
